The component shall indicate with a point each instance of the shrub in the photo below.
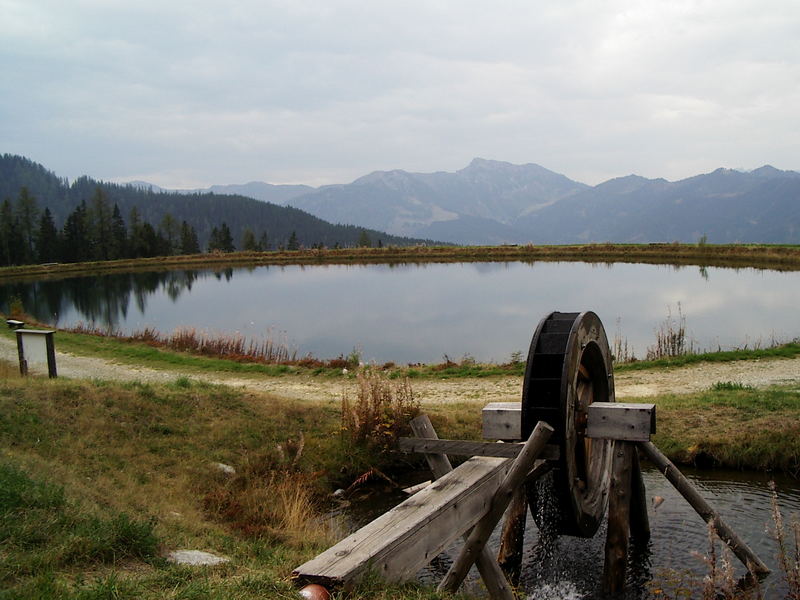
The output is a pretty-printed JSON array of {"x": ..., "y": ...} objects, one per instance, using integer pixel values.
[{"x": 381, "y": 412}]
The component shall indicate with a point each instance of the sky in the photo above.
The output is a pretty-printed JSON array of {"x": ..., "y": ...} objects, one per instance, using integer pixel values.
[{"x": 187, "y": 94}]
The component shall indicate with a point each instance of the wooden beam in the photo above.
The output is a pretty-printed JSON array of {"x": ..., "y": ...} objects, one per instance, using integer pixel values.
[
  {"x": 398, "y": 543},
  {"x": 499, "y": 502},
  {"x": 502, "y": 421},
  {"x": 491, "y": 573},
  {"x": 619, "y": 504},
  {"x": 640, "y": 522},
  {"x": 467, "y": 448},
  {"x": 621, "y": 421},
  {"x": 709, "y": 515}
]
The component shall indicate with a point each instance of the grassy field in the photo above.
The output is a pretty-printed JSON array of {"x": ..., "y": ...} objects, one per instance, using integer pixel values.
[{"x": 99, "y": 480}]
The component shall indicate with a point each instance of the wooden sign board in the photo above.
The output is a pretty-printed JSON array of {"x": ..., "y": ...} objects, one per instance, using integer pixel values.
[{"x": 36, "y": 347}]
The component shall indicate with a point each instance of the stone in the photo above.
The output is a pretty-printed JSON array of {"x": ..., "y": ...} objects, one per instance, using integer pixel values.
[{"x": 196, "y": 558}]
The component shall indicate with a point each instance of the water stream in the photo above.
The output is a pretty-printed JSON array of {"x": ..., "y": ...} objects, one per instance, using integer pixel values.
[{"x": 571, "y": 568}]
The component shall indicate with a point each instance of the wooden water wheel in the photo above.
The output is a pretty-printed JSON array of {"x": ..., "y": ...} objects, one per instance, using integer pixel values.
[{"x": 569, "y": 367}]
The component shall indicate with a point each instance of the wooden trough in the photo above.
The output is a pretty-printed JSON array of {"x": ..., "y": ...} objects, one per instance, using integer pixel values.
[{"x": 567, "y": 400}]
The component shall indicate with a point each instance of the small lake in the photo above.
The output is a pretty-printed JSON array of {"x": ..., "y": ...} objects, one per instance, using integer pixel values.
[{"x": 421, "y": 312}]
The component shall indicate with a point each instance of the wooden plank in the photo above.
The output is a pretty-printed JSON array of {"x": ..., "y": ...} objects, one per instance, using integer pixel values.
[
  {"x": 619, "y": 505},
  {"x": 640, "y": 522},
  {"x": 703, "y": 508},
  {"x": 491, "y": 573},
  {"x": 398, "y": 543},
  {"x": 621, "y": 421},
  {"x": 502, "y": 421},
  {"x": 468, "y": 448},
  {"x": 499, "y": 502}
]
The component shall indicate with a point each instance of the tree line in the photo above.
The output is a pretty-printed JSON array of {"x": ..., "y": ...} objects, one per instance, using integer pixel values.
[
  {"x": 248, "y": 221},
  {"x": 96, "y": 230}
]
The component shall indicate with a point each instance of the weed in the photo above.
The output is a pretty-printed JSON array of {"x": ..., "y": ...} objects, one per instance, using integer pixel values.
[
  {"x": 620, "y": 350},
  {"x": 268, "y": 498},
  {"x": 671, "y": 338},
  {"x": 788, "y": 551},
  {"x": 381, "y": 411},
  {"x": 729, "y": 386}
]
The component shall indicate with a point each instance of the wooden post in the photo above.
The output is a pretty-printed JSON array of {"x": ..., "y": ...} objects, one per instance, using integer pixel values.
[
  {"x": 483, "y": 529},
  {"x": 619, "y": 504},
  {"x": 709, "y": 515},
  {"x": 640, "y": 522},
  {"x": 439, "y": 464},
  {"x": 509, "y": 557}
]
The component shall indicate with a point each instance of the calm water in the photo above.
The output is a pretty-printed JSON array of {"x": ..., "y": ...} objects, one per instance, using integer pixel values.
[{"x": 419, "y": 313}]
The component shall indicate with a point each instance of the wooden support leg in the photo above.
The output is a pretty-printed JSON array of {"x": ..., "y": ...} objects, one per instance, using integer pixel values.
[
  {"x": 512, "y": 541},
  {"x": 439, "y": 464},
  {"x": 476, "y": 543},
  {"x": 709, "y": 515},
  {"x": 640, "y": 522},
  {"x": 619, "y": 505}
]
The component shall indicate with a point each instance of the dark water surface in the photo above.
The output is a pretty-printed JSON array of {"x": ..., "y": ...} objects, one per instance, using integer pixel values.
[
  {"x": 571, "y": 568},
  {"x": 419, "y": 313}
]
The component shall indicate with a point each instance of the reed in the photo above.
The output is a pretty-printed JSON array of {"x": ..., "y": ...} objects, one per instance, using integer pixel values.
[
  {"x": 788, "y": 549},
  {"x": 671, "y": 338}
]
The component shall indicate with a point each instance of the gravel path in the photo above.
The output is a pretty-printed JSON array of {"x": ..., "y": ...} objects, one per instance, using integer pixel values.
[{"x": 757, "y": 373}]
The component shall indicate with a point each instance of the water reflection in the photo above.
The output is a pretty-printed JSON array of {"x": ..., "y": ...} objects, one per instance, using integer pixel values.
[{"x": 420, "y": 312}]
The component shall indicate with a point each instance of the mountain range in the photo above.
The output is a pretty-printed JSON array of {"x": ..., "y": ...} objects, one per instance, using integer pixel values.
[
  {"x": 487, "y": 202},
  {"x": 494, "y": 202}
]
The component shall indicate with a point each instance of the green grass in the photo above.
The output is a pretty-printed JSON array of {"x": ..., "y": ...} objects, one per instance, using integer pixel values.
[
  {"x": 732, "y": 426},
  {"x": 41, "y": 530},
  {"x": 789, "y": 350},
  {"x": 98, "y": 480}
]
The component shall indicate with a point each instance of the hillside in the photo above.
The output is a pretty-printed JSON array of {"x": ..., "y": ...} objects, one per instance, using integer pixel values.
[{"x": 202, "y": 210}]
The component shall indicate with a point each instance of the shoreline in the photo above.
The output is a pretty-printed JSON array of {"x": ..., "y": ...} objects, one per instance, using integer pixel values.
[{"x": 757, "y": 256}]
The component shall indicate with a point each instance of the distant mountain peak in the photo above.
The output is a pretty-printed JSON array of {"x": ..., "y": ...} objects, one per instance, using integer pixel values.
[{"x": 768, "y": 171}]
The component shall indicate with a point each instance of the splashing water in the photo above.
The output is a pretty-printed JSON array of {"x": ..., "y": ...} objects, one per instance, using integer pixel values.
[{"x": 565, "y": 590}]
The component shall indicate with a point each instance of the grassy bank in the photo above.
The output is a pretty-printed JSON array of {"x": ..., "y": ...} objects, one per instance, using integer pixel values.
[
  {"x": 110, "y": 477},
  {"x": 99, "y": 481},
  {"x": 155, "y": 352},
  {"x": 781, "y": 257}
]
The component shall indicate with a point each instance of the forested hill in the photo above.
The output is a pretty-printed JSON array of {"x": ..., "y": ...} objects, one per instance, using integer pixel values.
[{"x": 203, "y": 211}]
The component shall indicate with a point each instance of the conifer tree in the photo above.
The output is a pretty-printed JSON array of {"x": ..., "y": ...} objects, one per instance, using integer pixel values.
[
  {"x": 48, "y": 239},
  {"x": 189, "y": 244},
  {"x": 100, "y": 226},
  {"x": 27, "y": 221},
  {"x": 119, "y": 235},
  {"x": 249, "y": 243}
]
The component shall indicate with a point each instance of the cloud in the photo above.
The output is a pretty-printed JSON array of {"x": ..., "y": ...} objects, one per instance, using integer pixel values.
[{"x": 327, "y": 91}]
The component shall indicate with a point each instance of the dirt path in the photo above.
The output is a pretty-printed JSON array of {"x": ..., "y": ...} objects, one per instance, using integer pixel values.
[{"x": 757, "y": 373}]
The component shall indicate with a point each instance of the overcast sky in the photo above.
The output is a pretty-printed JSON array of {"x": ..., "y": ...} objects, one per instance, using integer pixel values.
[{"x": 188, "y": 94}]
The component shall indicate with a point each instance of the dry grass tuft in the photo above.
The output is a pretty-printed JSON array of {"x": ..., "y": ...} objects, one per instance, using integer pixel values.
[
  {"x": 381, "y": 411},
  {"x": 269, "y": 498},
  {"x": 788, "y": 550},
  {"x": 671, "y": 338}
]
